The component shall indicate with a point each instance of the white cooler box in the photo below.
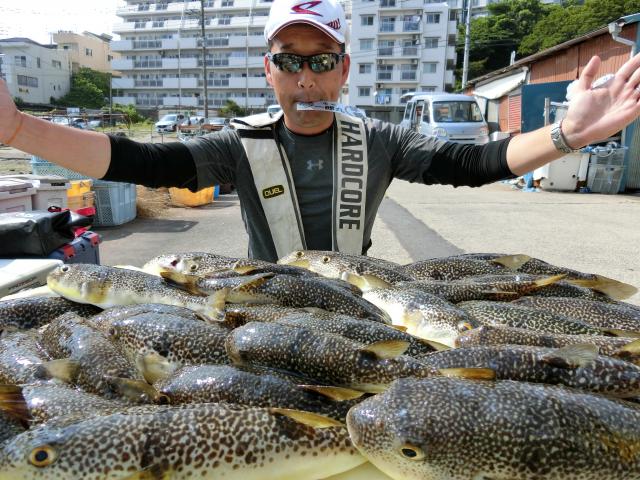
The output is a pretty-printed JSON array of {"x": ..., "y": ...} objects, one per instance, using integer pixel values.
[
  {"x": 17, "y": 274},
  {"x": 51, "y": 190},
  {"x": 15, "y": 195}
]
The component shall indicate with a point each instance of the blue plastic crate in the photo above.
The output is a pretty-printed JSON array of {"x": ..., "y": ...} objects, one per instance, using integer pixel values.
[
  {"x": 82, "y": 249},
  {"x": 115, "y": 203},
  {"x": 40, "y": 166}
]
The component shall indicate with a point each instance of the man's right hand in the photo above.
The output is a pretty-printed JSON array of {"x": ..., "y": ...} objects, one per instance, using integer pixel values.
[{"x": 9, "y": 115}]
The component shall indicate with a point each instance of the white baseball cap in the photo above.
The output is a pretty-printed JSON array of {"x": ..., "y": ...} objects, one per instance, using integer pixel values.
[{"x": 327, "y": 15}]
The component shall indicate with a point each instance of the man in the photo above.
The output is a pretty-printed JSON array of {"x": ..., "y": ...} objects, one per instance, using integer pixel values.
[{"x": 315, "y": 178}]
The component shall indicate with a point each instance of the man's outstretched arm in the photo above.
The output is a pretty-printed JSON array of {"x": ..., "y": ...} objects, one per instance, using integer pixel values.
[
  {"x": 80, "y": 150},
  {"x": 593, "y": 115}
]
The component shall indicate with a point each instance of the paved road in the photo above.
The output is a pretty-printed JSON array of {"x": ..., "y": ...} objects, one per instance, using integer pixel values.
[{"x": 588, "y": 232}]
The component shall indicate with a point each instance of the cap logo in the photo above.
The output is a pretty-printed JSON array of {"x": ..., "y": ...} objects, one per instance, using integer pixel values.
[
  {"x": 335, "y": 24},
  {"x": 304, "y": 8}
]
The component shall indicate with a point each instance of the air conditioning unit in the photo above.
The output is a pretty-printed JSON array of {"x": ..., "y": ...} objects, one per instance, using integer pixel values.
[{"x": 414, "y": 61}]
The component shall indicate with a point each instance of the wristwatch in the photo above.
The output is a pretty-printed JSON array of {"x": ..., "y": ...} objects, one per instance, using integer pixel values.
[{"x": 558, "y": 139}]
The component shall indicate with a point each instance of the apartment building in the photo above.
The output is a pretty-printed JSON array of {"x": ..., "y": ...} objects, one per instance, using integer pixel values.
[
  {"x": 34, "y": 72},
  {"x": 399, "y": 46},
  {"x": 86, "y": 50},
  {"x": 161, "y": 55}
]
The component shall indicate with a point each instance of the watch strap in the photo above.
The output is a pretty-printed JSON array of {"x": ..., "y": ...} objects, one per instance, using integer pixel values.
[{"x": 558, "y": 139}]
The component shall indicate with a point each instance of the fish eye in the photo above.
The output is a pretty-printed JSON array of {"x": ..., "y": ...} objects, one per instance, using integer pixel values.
[
  {"x": 325, "y": 259},
  {"x": 43, "y": 456},
  {"x": 411, "y": 452},
  {"x": 464, "y": 326},
  {"x": 299, "y": 254},
  {"x": 65, "y": 269},
  {"x": 163, "y": 399},
  {"x": 193, "y": 267}
]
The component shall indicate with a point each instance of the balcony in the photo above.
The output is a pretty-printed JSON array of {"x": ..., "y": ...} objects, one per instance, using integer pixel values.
[
  {"x": 121, "y": 64},
  {"x": 122, "y": 83},
  {"x": 254, "y": 62},
  {"x": 124, "y": 100},
  {"x": 175, "y": 63},
  {"x": 385, "y": 51},
  {"x": 147, "y": 63},
  {"x": 125, "y": 27},
  {"x": 409, "y": 51},
  {"x": 238, "y": 41},
  {"x": 121, "y": 45},
  {"x": 180, "y": 83},
  {"x": 182, "y": 101},
  {"x": 176, "y": 7},
  {"x": 387, "y": 28},
  {"x": 254, "y": 82}
]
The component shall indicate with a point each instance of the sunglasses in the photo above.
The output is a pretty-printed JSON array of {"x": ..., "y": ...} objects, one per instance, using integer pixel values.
[{"x": 292, "y": 63}]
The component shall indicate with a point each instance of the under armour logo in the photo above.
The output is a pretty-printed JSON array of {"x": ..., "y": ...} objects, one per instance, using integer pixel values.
[
  {"x": 311, "y": 164},
  {"x": 303, "y": 8}
]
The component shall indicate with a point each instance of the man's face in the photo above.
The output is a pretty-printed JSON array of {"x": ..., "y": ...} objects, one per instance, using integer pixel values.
[{"x": 305, "y": 85}]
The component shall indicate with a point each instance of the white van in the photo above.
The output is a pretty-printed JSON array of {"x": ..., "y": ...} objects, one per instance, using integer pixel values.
[
  {"x": 446, "y": 116},
  {"x": 273, "y": 109}
]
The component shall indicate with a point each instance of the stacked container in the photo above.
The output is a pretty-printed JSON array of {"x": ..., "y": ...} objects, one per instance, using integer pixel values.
[{"x": 15, "y": 195}]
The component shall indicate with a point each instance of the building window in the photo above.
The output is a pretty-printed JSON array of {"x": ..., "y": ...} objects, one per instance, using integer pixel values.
[
  {"x": 385, "y": 48},
  {"x": 25, "y": 81},
  {"x": 429, "y": 67},
  {"x": 366, "y": 44},
  {"x": 385, "y": 72},
  {"x": 364, "y": 91},
  {"x": 427, "y": 88},
  {"x": 432, "y": 18},
  {"x": 366, "y": 20},
  {"x": 387, "y": 3},
  {"x": 88, "y": 52},
  {"x": 411, "y": 23},
  {"x": 451, "y": 40},
  {"x": 453, "y": 15},
  {"x": 20, "y": 61},
  {"x": 408, "y": 71},
  {"x": 431, "y": 42},
  {"x": 364, "y": 68},
  {"x": 227, "y": 3},
  {"x": 387, "y": 24},
  {"x": 409, "y": 48},
  {"x": 56, "y": 64},
  {"x": 38, "y": 62}
]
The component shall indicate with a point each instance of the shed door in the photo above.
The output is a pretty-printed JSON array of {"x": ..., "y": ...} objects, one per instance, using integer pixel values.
[{"x": 514, "y": 113}]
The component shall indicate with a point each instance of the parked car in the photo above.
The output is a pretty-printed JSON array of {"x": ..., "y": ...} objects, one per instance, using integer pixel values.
[
  {"x": 213, "y": 124},
  {"x": 446, "y": 116},
  {"x": 169, "y": 122},
  {"x": 273, "y": 109}
]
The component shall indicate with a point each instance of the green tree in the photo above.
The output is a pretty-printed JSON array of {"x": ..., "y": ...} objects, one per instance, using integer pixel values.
[
  {"x": 89, "y": 89},
  {"x": 572, "y": 20},
  {"x": 232, "y": 109},
  {"x": 495, "y": 36}
]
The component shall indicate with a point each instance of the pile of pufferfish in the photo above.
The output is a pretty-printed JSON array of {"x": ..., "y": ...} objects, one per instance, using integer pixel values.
[{"x": 323, "y": 365}]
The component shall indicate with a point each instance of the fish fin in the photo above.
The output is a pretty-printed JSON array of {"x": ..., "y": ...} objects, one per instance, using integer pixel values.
[
  {"x": 613, "y": 288},
  {"x": 315, "y": 310},
  {"x": 216, "y": 302},
  {"x": 616, "y": 332},
  {"x": 152, "y": 472},
  {"x": 136, "y": 390},
  {"x": 630, "y": 349},
  {"x": 512, "y": 262},
  {"x": 337, "y": 394},
  {"x": 437, "y": 346},
  {"x": 370, "y": 387},
  {"x": 365, "y": 281},
  {"x": 307, "y": 418},
  {"x": 469, "y": 373},
  {"x": 386, "y": 349},
  {"x": 572, "y": 356},
  {"x": 154, "y": 366},
  {"x": 183, "y": 281},
  {"x": 13, "y": 403},
  {"x": 63, "y": 369},
  {"x": 254, "y": 280},
  {"x": 543, "y": 282},
  {"x": 401, "y": 328}
]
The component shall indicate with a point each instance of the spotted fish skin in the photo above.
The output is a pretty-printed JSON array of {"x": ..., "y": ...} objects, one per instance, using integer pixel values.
[
  {"x": 426, "y": 429},
  {"x": 21, "y": 357},
  {"x": 517, "y": 315},
  {"x": 229, "y": 384},
  {"x": 337, "y": 264},
  {"x": 97, "y": 357},
  {"x": 500, "y": 335},
  {"x": 604, "y": 375},
  {"x": 207, "y": 441},
  {"x": 102, "y": 321},
  {"x": 299, "y": 292},
  {"x": 26, "y": 313},
  {"x": 620, "y": 315},
  {"x": 46, "y": 401},
  {"x": 357, "y": 329},
  {"x": 452, "y": 268},
  {"x": 424, "y": 315},
  {"x": 325, "y": 358},
  {"x": 177, "y": 339},
  {"x": 110, "y": 286}
]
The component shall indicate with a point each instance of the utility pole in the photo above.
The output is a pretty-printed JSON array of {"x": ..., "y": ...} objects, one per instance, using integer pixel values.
[
  {"x": 467, "y": 44},
  {"x": 204, "y": 62}
]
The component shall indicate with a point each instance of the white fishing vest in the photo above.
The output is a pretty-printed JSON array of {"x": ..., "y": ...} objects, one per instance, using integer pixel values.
[{"x": 274, "y": 182}]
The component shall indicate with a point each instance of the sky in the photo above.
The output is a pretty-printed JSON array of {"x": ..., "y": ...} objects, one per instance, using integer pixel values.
[{"x": 37, "y": 19}]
